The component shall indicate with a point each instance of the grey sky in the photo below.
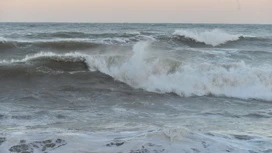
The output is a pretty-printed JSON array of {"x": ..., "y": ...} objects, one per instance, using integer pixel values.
[{"x": 181, "y": 11}]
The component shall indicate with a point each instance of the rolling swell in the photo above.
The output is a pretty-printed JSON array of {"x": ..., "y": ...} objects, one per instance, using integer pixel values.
[
  {"x": 58, "y": 35},
  {"x": 71, "y": 34},
  {"x": 71, "y": 45},
  {"x": 42, "y": 63},
  {"x": 56, "y": 45}
]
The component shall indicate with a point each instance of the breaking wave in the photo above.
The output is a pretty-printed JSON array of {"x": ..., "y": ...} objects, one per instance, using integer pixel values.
[
  {"x": 155, "y": 73},
  {"x": 213, "y": 37},
  {"x": 163, "y": 75}
]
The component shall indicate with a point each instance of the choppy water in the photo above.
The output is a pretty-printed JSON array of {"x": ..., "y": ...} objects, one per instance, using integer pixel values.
[{"x": 135, "y": 88}]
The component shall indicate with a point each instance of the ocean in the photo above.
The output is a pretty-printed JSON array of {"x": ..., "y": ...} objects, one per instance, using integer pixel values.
[{"x": 135, "y": 88}]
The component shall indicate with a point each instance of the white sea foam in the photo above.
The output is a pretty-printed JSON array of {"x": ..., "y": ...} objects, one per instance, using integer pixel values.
[
  {"x": 153, "y": 141},
  {"x": 213, "y": 37}
]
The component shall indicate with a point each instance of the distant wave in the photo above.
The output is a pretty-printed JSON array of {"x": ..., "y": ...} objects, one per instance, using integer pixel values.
[
  {"x": 56, "y": 35},
  {"x": 74, "y": 45},
  {"x": 213, "y": 37},
  {"x": 78, "y": 41},
  {"x": 163, "y": 75},
  {"x": 242, "y": 40},
  {"x": 71, "y": 34}
]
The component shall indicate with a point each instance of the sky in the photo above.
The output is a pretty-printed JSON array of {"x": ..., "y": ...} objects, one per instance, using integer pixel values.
[{"x": 143, "y": 11}]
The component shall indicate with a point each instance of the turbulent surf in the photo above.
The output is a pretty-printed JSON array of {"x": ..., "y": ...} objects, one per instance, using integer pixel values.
[{"x": 135, "y": 87}]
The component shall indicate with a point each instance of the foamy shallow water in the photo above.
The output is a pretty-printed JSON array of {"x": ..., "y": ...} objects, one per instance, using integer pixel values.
[
  {"x": 151, "y": 124},
  {"x": 174, "y": 140}
]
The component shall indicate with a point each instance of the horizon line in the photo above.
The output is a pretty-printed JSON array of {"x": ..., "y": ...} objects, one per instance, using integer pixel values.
[{"x": 87, "y": 22}]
